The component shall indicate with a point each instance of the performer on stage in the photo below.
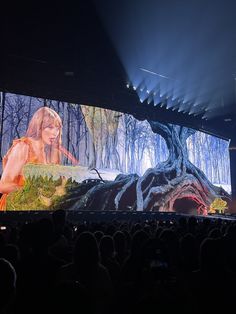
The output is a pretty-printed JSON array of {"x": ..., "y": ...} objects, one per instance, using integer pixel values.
[{"x": 41, "y": 145}]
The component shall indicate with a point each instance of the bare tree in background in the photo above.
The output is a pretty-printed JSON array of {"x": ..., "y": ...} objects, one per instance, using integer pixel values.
[{"x": 161, "y": 188}]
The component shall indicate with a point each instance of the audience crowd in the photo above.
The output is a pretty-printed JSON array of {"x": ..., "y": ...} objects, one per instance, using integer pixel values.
[{"x": 54, "y": 265}]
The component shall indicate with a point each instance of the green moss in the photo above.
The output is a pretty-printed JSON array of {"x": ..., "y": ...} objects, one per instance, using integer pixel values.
[
  {"x": 36, "y": 189},
  {"x": 29, "y": 196}
]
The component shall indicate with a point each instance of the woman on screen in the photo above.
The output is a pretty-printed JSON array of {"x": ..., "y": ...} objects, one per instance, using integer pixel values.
[{"x": 41, "y": 145}]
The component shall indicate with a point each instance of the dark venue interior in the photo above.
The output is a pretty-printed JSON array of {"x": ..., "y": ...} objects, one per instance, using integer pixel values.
[{"x": 158, "y": 239}]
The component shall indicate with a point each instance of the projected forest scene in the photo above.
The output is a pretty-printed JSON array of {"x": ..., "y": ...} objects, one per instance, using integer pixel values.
[{"x": 98, "y": 159}]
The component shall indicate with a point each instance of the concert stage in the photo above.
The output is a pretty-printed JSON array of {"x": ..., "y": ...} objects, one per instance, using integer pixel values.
[{"x": 14, "y": 217}]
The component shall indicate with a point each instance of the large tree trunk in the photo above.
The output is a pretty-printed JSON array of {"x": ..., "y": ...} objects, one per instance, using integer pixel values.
[
  {"x": 175, "y": 179},
  {"x": 173, "y": 185}
]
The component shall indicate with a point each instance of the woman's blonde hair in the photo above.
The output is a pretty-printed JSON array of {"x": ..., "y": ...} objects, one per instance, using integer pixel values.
[{"x": 41, "y": 119}]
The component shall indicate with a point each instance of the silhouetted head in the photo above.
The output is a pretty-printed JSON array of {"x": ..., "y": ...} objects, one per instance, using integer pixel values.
[
  {"x": 98, "y": 235},
  {"x": 119, "y": 241},
  {"x": 138, "y": 240},
  {"x": 211, "y": 255},
  {"x": 86, "y": 251},
  {"x": 7, "y": 283},
  {"x": 106, "y": 246},
  {"x": 214, "y": 233}
]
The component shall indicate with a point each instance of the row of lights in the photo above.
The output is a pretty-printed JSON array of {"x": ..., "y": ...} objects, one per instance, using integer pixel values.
[{"x": 148, "y": 92}]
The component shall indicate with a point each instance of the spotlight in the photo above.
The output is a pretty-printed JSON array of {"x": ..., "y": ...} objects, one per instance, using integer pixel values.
[
  {"x": 127, "y": 85},
  {"x": 148, "y": 91},
  {"x": 134, "y": 87}
]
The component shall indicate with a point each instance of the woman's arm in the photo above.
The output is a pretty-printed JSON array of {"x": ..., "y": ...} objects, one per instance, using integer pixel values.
[{"x": 17, "y": 158}]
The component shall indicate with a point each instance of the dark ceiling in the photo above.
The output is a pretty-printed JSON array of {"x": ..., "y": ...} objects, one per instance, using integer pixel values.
[{"x": 74, "y": 54}]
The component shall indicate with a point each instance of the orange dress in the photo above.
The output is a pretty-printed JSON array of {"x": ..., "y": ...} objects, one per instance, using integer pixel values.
[{"x": 19, "y": 180}]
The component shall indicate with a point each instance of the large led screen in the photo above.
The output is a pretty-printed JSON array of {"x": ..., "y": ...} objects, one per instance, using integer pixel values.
[{"x": 48, "y": 147}]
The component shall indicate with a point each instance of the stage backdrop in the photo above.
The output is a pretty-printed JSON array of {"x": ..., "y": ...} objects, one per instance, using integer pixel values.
[{"x": 109, "y": 141}]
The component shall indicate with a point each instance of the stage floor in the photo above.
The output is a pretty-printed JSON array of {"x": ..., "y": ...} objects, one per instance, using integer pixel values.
[{"x": 98, "y": 216}]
